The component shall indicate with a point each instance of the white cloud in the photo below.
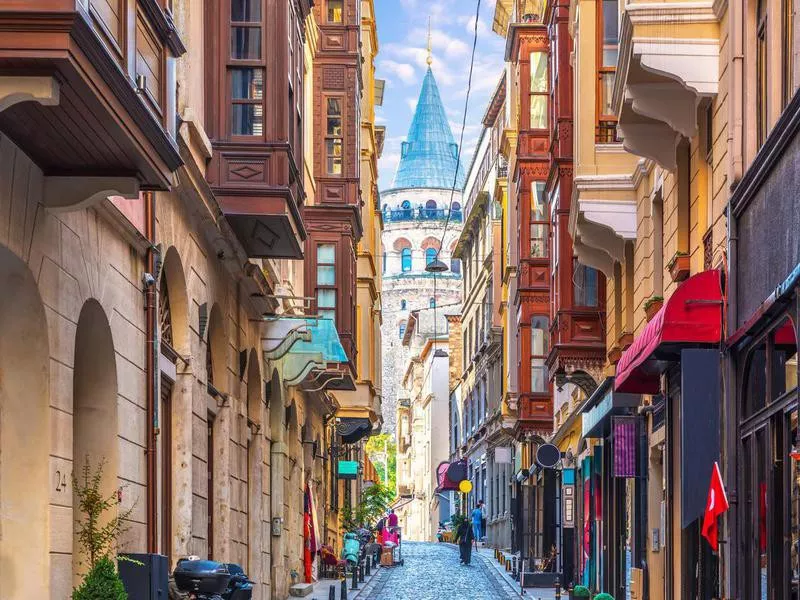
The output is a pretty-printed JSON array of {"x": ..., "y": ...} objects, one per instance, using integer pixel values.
[
  {"x": 404, "y": 71},
  {"x": 412, "y": 103}
]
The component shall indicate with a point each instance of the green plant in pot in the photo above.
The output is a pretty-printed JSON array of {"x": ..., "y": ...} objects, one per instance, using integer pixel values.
[
  {"x": 604, "y": 596},
  {"x": 580, "y": 591},
  {"x": 99, "y": 530}
]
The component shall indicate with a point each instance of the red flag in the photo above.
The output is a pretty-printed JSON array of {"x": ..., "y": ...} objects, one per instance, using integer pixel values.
[{"x": 716, "y": 504}]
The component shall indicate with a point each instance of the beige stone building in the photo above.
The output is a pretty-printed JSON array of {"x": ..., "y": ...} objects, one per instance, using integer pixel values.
[{"x": 152, "y": 292}]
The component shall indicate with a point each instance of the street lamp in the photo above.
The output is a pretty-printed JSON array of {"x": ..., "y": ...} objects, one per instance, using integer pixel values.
[{"x": 436, "y": 266}]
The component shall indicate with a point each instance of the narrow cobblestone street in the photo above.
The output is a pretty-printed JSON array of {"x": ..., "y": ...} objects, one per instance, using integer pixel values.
[{"x": 432, "y": 571}]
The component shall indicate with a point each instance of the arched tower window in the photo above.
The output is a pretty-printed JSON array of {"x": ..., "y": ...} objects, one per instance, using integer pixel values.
[
  {"x": 402, "y": 304},
  {"x": 405, "y": 259},
  {"x": 455, "y": 265},
  {"x": 402, "y": 329},
  {"x": 430, "y": 255},
  {"x": 430, "y": 209},
  {"x": 432, "y": 302}
]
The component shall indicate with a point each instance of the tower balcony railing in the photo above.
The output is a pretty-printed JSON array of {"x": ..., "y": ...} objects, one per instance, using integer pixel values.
[{"x": 422, "y": 214}]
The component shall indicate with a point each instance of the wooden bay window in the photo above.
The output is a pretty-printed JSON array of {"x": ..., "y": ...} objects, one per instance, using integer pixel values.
[
  {"x": 246, "y": 68},
  {"x": 607, "y": 50},
  {"x": 540, "y": 226},
  {"x": 326, "y": 281},
  {"x": 333, "y": 136},
  {"x": 539, "y": 91}
]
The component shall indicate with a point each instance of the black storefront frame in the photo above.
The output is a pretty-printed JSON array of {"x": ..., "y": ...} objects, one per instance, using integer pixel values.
[{"x": 770, "y": 427}]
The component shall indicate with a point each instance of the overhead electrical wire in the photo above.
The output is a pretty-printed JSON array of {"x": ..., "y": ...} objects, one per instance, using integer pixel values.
[{"x": 463, "y": 125}]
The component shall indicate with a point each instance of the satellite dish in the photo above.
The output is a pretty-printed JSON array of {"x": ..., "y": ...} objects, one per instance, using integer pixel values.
[{"x": 548, "y": 456}]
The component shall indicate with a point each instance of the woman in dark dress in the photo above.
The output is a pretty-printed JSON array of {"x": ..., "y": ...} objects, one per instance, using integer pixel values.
[{"x": 464, "y": 537}]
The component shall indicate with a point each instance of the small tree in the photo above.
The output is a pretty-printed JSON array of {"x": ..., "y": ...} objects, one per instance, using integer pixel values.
[
  {"x": 101, "y": 583},
  {"x": 98, "y": 534},
  {"x": 98, "y": 540}
]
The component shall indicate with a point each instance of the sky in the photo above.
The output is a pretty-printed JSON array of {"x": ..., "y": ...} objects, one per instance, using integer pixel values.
[{"x": 403, "y": 38}]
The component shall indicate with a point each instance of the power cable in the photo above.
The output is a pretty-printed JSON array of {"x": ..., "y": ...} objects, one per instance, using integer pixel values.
[{"x": 463, "y": 126}]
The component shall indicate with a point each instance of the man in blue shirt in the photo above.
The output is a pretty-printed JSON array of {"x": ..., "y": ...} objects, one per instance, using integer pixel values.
[{"x": 477, "y": 517}]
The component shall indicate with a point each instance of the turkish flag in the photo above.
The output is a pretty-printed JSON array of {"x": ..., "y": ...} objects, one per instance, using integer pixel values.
[{"x": 716, "y": 504}]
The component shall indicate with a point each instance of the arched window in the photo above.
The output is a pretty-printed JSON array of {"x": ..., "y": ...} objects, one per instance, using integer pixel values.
[
  {"x": 430, "y": 256},
  {"x": 430, "y": 209},
  {"x": 402, "y": 304},
  {"x": 405, "y": 259},
  {"x": 432, "y": 302},
  {"x": 384, "y": 262},
  {"x": 402, "y": 329},
  {"x": 455, "y": 265},
  {"x": 405, "y": 204}
]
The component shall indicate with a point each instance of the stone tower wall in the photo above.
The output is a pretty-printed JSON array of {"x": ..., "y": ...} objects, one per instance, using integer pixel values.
[{"x": 416, "y": 286}]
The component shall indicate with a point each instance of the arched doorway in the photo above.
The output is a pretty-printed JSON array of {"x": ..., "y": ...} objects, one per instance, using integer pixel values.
[
  {"x": 24, "y": 435},
  {"x": 94, "y": 416}
]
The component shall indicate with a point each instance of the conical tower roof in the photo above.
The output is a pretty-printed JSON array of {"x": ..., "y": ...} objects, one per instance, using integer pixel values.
[{"x": 429, "y": 155}]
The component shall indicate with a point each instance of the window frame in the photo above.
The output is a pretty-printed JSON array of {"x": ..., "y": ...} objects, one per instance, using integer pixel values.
[
  {"x": 537, "y": 363},
  {"x": 326, "y": 286},
  {"x": 539, "y": 93},
  {"x": 232, "y": 64},
  {"x": 328, "y": 9},
  {"x": 541, "y": 222},
  {"x": 406, "y": 252},
  {"x": 762, "y": 67},
  {"x": 332, "y": 138},
  {"x": 605, "y": 124}
]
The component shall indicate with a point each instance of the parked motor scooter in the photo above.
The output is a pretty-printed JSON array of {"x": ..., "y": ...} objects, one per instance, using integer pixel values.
[
  {"x": 351, "y": 550},
  {"x": 211, "y": 580}
]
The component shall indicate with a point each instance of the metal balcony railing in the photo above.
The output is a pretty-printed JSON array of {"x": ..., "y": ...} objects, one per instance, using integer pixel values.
[{"x": 421, "y": 214}]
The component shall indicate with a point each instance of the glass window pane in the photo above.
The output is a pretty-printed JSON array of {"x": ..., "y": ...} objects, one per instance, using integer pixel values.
[
  {"x": 538, "y": 202},
  {"x": 335, "y": 11},
  {"x": 326, "y": 253},
  {"x": 326, "y": 275},
  {"x": 538, "y": 240},
  {"x": 247, "y": 84},
  {"x": 245, "y": 11},
  {"x": 335, "y": 126},
  {"x": 538, "y": 72},
  {"x": 538, "y": 375},
  {"x": 246, "y": 42},
  {"x": 326, "y": 298},
  {"x": 334, "y": 107},
  {"x": 327, "y": 313},
  {"x": 610, "y": 32},
  {"x": 606, "y": 91},
  {"x": 334, "y": 150},
  {"x": 248, "y": 119},
  {"x": 406, "y": 259},
  {"x": 538, "y": 112},
  {"x": 540, "y": 343}
]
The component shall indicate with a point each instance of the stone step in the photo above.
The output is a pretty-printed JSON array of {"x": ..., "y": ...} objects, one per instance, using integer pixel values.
[{"x": 301, "y": 590}]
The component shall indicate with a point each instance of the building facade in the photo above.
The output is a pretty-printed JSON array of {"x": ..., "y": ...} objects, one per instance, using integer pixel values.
[
  {"x": 155, "y": 252},
  {"x": 422, "y": 217},
  {"x": 484, "y": 421},
  {"x": 422, "y": 409}
]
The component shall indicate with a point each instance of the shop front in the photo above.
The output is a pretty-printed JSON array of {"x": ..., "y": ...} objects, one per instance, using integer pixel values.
[
  {"x": 610, "y": 485},
  {"x": 676, "y": 360},
  {"x": 761, "y": 469}
]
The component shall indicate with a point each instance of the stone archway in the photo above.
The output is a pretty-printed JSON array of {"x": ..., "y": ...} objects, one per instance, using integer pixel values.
[
  {"x": 94, "y": 412},
  {"x": 278, "y": 473},
  {"x": 24, "y": 435},
  {"x": 255, "y": 460}
]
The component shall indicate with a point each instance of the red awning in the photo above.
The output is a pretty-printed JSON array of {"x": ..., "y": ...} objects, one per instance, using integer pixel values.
[{"x": 692, "y": 316}]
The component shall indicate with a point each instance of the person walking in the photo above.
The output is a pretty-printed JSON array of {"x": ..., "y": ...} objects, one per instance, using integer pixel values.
[
  {"x": 477, "y": 521},
  {"x": 392, "y": 518},
  {"x": 464, "y": 537}
]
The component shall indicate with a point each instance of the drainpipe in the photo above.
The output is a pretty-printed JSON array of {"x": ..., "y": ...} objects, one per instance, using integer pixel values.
[{"x": 151, "y": 374}]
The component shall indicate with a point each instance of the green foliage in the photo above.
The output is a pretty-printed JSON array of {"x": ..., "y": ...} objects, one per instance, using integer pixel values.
[
  {"x": 101, "y": 583},
  {"x": 375, "y": 501},
  {"x": 604, "y": 596},
  {"x": 457, "y": 519},
  {"x": 98, "y": 532},
  {"x": 382, "y": 451},
  {"x": 581, "y": 591}
]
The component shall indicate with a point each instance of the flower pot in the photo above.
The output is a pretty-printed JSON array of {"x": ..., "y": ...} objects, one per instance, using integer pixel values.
[
  {"x": 652, "y": 307},
  {"x": 679, "y": 267}
]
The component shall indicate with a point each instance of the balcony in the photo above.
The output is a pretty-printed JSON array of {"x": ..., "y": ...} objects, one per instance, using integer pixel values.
[
  {"x": 421, "y": 214},
  {"x": 668, "y": 63},
  {"x": 88, "y": 92}
]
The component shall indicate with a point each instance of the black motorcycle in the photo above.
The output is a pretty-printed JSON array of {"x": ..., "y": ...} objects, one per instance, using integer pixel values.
[{"x": 211, "y": 580}]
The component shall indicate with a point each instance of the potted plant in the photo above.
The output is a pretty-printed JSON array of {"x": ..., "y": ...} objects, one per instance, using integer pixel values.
[
  {"x": 98, "y": 535},
  {"x": 579, "y": 591},
  {"x": 604, "y": 596},
  {"x": 679, "y": 266},
  {"x": 652, "y": 306}
]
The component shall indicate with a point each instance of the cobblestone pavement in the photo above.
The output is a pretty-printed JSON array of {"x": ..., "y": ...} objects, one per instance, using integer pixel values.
[{"x": 432, "y": 572}]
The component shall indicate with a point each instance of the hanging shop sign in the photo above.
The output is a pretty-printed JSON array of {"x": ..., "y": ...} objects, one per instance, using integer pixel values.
[
  {"x": 548, "y": 456},
  {"x": 502, "y": 455},
  {"x": 348, "y": 469}
]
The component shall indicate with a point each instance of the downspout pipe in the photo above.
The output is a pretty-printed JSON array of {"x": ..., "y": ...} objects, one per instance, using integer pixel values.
[{"x": 151, "y": 374}]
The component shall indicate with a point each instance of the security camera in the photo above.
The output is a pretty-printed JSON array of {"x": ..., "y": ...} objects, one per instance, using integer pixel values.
[{"x": 148, "y": 279}]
